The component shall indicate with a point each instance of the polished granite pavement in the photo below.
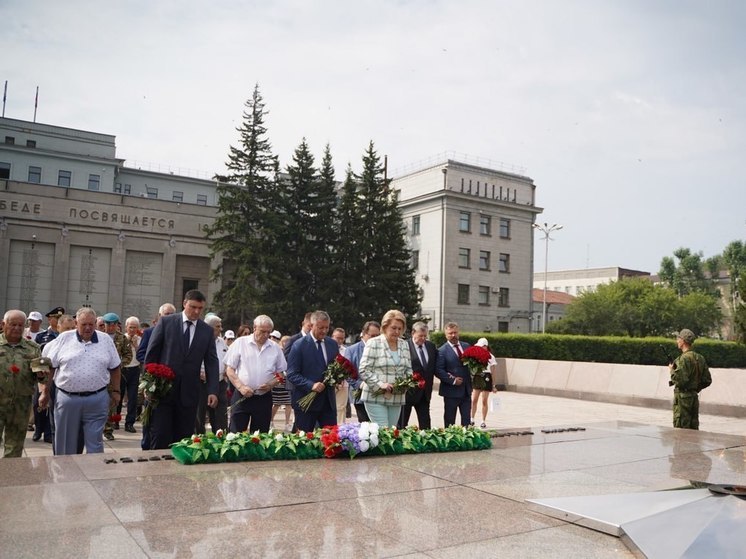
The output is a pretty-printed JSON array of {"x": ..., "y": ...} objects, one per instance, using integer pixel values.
[{"x": 430, "y": 505}]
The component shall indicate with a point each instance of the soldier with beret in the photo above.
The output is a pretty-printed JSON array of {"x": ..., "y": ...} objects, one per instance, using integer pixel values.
[
  {"x": 124, "y": 349},
  {"x": 17, "y": 380},
  {"x": 689, "y": 375}
]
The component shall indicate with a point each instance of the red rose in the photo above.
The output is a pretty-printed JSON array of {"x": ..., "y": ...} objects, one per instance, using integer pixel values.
[
  {"x": 255, "y": 440},
  {"x": 14, "y": 369},
  {"x": 309, "y": 436},
  {"x": 421, "y": 385},
  {"x": 196, "y": 440},
  {"x": 329, "y": 453},
  {"x": 416, "y": 376},
  {"x": 396, "y": 433}
]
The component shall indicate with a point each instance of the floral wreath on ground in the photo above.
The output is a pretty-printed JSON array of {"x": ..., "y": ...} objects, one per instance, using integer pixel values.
[{"x": 348, "y": 439}]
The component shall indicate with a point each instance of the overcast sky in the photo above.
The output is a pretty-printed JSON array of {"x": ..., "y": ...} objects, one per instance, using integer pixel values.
[{"x": 629, "y": 115}]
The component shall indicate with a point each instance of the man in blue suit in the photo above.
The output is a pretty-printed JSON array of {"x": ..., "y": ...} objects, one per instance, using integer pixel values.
[
  {"x": 183, "y": 342},
  {"x": 308, "y": 359},
  {"x": 455, "y": 380},
  {"x": 424, "y": 358},
  {"x": 354, "y": 353}
]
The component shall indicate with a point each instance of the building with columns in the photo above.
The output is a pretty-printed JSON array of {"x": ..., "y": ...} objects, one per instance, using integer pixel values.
[
  {"x": 78, "y": 228},
  {"x": 470, "y": 231}
]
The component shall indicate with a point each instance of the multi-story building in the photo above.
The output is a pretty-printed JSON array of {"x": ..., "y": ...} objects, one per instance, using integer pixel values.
[
  {"x": 471, "y": 236},
  {"x": 78, "y": 228}
]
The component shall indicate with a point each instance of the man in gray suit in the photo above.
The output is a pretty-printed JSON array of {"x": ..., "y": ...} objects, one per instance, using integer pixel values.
[{"x": 183, "y": 342}]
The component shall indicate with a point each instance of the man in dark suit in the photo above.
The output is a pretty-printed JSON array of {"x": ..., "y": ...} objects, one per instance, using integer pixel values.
[
  {"x": 455, "y": 380},
  {"x": 424, "y": 359},
  {"x": 183, "y": 342},
  {"x": 308, "y": 359},
  {"x": 354, "y": 353}
]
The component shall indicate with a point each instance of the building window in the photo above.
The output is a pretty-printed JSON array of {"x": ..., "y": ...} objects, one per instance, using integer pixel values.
[
  {"x": 64, "y": 178},
  {"x": 504, "y": 263},
  {"x": 502, "y": 326},
  {"x": 4, "y": 170},
  {"x": 464, "y": 255},
  {"x": 416, "y": 259},
  {"x": 415, "y": 225},
  {"x": 188, "y": 285},
  {"x": 10, "y": 140},
  {"x": 94, "y": 182},
  {"x": 34, "y": 174},
  {"x": 127, "y": 189},
  {"x": 152, "y": 191},
  {"x": 464, "y": 222},
  {"x": 484, "y": 295},
  {"x": 118, "y": 187},
  {"x": 504, "y": 300},
  {"x": 30, "y": 143},
  {"x": 202, "y": 199},
  {"x": 485, "y": 225},
  {"x": 463, "y": 294},
  {"x": 484, "y": 259},
  {"x": 504, "y": 228},
  {"x": 178, "y": 196}
]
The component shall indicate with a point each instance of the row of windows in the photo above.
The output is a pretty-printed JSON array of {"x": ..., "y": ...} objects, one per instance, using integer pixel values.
[
  {"x": 10, "y": 140},
  {"x": 464, "y": 260},
  {"x": 464, "y": 225},
  {"x": 483, "y": 295},
  {"x": 64, "y": 178}
]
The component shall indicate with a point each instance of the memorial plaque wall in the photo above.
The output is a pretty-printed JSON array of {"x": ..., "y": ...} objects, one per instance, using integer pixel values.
[
  {"x": 88, "y": 283},
  {"x": 30, "y": 276},
  {"x": 142, "y": 285}
]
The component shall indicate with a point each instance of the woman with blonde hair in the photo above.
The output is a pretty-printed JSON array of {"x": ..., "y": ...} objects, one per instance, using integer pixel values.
[{"x": 385, "y": 358}]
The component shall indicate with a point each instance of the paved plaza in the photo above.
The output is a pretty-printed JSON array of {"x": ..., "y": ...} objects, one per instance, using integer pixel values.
[{"x": 460, "y": 504}]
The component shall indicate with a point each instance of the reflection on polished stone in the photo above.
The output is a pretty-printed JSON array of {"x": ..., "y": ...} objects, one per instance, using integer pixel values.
[{"x": 458, "y": 504}]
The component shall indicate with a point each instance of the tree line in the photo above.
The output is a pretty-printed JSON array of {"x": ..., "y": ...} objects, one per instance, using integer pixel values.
[
  {"x": 291, "y": 241},
  {"x": 689, "y": 295}
]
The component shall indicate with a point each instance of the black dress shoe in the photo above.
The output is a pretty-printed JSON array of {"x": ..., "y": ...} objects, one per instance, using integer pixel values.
[
  {"x": 36, "y": 437},
  {"x": 109, "y": 436},
  {"x": 49, "y": 440},
  {"x": 130, "y": 429}
]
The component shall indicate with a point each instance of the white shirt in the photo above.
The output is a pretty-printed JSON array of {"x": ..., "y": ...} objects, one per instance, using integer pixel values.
[
  {"x": 82, "y": 366},
  {"x": 255, "y": 365},
  {"x": 134, "y": 362},
  {"x": 222, "y": 349}
]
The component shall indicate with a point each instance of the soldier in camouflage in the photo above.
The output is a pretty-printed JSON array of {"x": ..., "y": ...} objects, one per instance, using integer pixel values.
[
  {"x": 689, "y": 375},
  {"x": 124, "y": 349},
  {"x": 19, "y": 358}
]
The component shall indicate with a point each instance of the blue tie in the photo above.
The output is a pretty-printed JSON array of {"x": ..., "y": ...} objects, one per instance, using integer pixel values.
[{"x": 187, "y": 331}]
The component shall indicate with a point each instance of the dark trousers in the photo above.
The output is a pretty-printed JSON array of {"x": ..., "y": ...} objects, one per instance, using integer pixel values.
[
  {"x": 217, "y": 415},
  {"x": 463, "y": 405},
  {"x": 362, "y": 413},
  {"x": 42, "y": 419},
  {"x": 308, "y": 420},
  {"x": 421, "y": 404},
  {"x": 252, "y": 414},
  {"x": 129, "y": 384},
  {"x": 171, "y": 422}
]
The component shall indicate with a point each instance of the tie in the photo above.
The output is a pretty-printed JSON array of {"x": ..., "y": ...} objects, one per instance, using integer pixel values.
[
  {"x": 423, "y": 359},
  {"x": 321, "y": 351},
  {"x": 187, "y": 331},
  {"x": 458, "y": 350}
]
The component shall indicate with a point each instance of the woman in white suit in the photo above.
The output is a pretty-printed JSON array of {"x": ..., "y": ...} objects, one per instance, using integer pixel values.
[{"x": 385, "y": 358}]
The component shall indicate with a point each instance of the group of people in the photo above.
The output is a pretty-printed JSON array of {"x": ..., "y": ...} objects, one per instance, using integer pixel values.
[{"x": 240, "y": 382}]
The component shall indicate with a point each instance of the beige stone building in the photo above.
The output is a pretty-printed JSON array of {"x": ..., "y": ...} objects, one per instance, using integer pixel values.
[{"x": 469, "y": 228}]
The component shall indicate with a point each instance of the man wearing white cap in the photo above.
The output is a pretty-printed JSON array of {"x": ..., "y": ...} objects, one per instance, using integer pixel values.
[
  {"x": 229, "y": 337},
  {"x": 34, "y": 325}
]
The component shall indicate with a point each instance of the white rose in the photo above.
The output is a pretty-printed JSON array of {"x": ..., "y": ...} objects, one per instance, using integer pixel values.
[
  {"x": 364, "y": 446},
  {"x": 278, "y": 437},
  {"x": 373, "y": 440},
  {"x": 374, "y": 428},
  {"x": 230, "y": 436},
  {"x": 363, "y": 433}
]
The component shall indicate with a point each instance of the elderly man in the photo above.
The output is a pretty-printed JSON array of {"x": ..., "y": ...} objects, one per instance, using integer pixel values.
[
  {"x": 130, "y": 373},
  {"x": 217, "y": 415},
  {"x": 252, "y": 365},
  {"x": 87, "y": 371},
  {"x": 34, "y": 325},
  {"x": 17, "y": 381}
]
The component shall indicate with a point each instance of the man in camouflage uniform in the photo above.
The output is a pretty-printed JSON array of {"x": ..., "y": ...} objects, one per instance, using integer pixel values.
[
  {"x": 17, "y": 381},
  {"x": 124, "y": 349},
  {"x": 689, "y": 375}
]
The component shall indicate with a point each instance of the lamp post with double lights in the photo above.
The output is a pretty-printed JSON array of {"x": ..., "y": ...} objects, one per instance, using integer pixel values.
[{"x": 546, "y": 229}]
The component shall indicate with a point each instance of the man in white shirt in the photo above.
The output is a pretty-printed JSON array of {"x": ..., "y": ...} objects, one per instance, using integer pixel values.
[{"x": 252, "y": 365}]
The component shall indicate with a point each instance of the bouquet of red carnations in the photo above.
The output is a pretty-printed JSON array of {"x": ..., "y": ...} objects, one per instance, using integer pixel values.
[
  {"x": 402, "y": 384},
  {"x": 155, "y": 383},
  {"x": 338, "y": 371},
  {"x": 476, "y": 359}
]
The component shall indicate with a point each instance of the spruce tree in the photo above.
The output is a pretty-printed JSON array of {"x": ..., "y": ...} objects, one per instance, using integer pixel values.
[{"x": 242, "y": 233}]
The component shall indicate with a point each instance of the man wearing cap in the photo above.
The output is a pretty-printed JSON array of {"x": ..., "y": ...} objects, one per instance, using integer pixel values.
[
  {"x": 17, "y": 381},
  {"x": 124, "y": 350},
  {"x": 229, "y": 337},
  {"x": 689, "y": 375},
  {"x": 50, "y": 333},
  {"x": 34, "y": 325}
]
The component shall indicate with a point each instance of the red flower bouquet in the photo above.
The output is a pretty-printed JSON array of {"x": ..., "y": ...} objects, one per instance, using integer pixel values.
[
  {"x": 476, "y": 359},
  {"x": 402, "y": 384},
  {"x": 155, "y": 383},
  {"x": 338, "y": 371}
]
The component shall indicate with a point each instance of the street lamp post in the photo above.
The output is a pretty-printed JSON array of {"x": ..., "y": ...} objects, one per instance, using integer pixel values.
[{"x": 546, "y": 229}]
